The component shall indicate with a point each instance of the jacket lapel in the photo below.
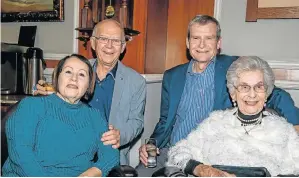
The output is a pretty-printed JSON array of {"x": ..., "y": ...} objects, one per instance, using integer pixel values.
[
  {"x": 177, "y": 86},
  {"x": 221, "y": 66},
  {"x": 117, "y": 92}
]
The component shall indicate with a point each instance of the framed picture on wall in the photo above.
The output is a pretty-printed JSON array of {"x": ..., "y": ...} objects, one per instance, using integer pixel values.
[
  {"x": 271, "y": 9},
  {"x": 32, "y": 10}
]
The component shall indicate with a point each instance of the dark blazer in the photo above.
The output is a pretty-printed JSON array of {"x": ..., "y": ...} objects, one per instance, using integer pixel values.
[{"x": 173, "y": 86}]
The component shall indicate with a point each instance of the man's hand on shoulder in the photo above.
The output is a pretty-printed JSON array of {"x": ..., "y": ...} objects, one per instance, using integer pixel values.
[
  {"x": 111, "y": 137},
  {"x": 41, "y": 89}
]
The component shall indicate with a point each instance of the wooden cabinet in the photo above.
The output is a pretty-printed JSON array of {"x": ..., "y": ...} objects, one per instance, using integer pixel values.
[
  {"x": 135, "y": 51},
  {"x": 163, "y": 26},
  {"x": 167, "y": 31},
  {"x": 134, "y": 54}
]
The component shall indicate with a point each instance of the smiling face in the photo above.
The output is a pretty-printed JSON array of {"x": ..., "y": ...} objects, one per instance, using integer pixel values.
[
  {"x": 73, "y": 80},
  {"x": 251, "y": 102},
  {"x": 203, "y": 44},
  {"x": 108, "y": 53}
]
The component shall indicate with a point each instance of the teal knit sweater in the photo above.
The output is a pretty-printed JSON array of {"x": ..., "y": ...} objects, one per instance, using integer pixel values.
[{"x": 50, "y": 137}]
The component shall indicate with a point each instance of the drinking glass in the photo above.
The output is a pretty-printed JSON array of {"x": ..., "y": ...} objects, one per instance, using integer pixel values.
[{"x": 151, "y": 149}]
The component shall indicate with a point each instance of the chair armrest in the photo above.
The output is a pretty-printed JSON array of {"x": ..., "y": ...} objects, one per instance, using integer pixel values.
[
  {"x": 241, "y": 171},
  {"x": 169, "y": 172},
  {"x": 123, "y": 171}
]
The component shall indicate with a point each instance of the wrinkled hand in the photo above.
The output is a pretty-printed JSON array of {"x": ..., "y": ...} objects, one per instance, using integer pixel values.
[
  {"x": 296, "y": 128},
  {"x": 111, "y": 137},
  {"x": 40, "y": 89},
  {"x": 208, "y": 171},
  {"x": 91, "y": 172},
  {"x": 143, "y": 154}
]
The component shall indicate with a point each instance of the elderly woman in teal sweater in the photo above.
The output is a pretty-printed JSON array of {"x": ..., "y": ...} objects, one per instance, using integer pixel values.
[{"x": 59, "y": 135}]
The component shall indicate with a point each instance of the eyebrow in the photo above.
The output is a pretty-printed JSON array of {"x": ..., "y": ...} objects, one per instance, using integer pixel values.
[
  {"x": 204, "y": 36},
  {"x": 114, "y": 38},
  {"x": 244, "y": 83},
  {"x": 73, "y": 69},
  {"x": 83, "y": 70}
]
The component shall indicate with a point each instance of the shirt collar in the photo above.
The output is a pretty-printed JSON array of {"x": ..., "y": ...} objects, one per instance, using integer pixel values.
[
  {"x": 112, "y": 72},
  {"x": 189, "y": 70}
]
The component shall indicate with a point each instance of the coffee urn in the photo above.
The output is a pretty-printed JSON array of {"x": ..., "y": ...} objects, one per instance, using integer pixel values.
[{"x": 35, "y": 67}]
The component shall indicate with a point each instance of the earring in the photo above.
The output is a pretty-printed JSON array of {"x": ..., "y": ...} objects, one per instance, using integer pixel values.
[
  {"x": 265, "y": 104},
  {"x": 234, "y": 103}
]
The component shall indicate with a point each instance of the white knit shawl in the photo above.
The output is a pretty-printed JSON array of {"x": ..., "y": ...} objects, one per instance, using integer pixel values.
[{"x": 221, "y": 140}]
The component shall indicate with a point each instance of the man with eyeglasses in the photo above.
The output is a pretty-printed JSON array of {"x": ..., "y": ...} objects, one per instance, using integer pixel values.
[
  {"x": 119, "y": 90},
  {"x": 191, "y": 91}
]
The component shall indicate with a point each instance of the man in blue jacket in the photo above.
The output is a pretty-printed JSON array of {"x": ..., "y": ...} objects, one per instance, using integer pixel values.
[{"x": 191, "y": 91}]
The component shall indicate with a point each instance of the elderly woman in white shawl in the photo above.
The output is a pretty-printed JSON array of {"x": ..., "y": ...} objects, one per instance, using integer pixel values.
[{"x": 246, "y": 135}]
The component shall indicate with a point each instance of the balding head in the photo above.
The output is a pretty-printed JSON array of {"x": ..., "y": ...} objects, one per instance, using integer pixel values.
[
  {"x": 108, "y": 41},
  {"x": 108, "y": 25}
]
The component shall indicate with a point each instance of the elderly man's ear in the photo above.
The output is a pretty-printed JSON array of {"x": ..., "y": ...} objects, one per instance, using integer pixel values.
[
  {"x": 187, "y": 42},
  {"x": 92, "y": 43},
  {"x": 219, "y": 43},
  {"x": 123, "y": 47}
]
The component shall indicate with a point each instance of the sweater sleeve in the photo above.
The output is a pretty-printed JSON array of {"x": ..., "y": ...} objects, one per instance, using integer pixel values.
[
  {"x": 20, "y": 130},
  {"x": 108, "y": 157}
]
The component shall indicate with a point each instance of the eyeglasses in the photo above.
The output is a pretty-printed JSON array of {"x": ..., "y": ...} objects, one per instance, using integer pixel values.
[
  {"x": 105, "y": 40},
  {"x": 259, "y": 88}
]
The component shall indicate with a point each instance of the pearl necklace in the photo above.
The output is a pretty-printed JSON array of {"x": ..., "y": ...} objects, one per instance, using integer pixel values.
[{"x": 249, "y": 122}]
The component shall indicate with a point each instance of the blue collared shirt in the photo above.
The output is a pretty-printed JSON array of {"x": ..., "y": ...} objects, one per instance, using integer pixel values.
[
  {"x": 196, "y": 102},
  {"x": 103, "y": 92}
]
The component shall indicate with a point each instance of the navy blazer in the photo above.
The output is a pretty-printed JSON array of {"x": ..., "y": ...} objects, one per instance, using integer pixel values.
[{"x": 173, "y": 86}]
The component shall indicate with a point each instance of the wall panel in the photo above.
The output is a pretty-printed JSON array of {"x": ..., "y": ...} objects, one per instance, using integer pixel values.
[{"x": 179, "y": 15}]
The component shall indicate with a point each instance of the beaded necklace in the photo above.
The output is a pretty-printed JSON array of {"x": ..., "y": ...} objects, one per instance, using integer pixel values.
[{"x": 253, "y": 120}]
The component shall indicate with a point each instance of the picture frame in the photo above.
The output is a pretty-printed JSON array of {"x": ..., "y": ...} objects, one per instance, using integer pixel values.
[
  {"x": 35, "y": 11},
  {"x": 254, "y": 12}
]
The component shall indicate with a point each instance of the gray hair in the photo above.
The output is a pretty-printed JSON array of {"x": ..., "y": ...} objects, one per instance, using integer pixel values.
[
  {"x": 249, "y": 63},
  {"x": 203, "y": 20}
]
